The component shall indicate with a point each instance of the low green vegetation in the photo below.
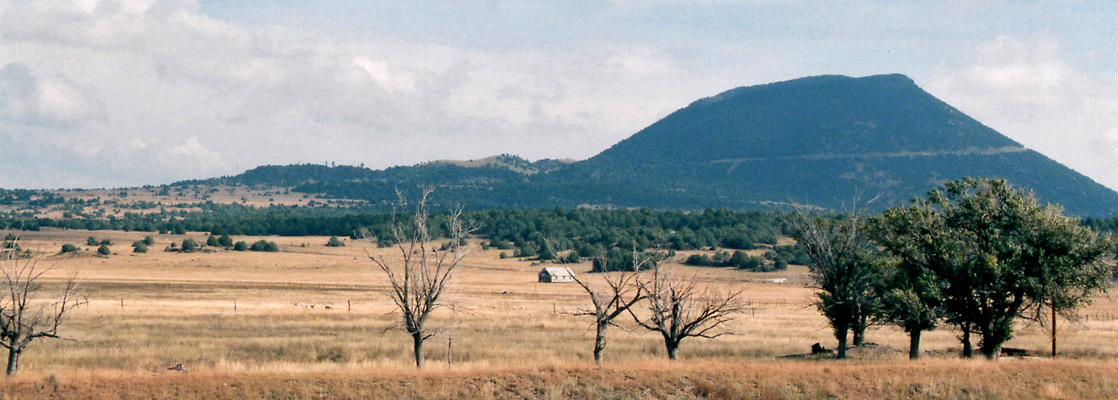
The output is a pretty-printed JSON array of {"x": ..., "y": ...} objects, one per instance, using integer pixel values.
[{"x": 264, "y": 245}]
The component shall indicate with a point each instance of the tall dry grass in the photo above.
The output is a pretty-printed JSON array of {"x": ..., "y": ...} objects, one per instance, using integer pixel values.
[
  {"x": 938, "y": 379},
  {"x": 178, "y": 309}
]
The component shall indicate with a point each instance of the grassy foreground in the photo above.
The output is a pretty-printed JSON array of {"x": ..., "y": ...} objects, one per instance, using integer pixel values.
[{"x": 933, "y": 379}]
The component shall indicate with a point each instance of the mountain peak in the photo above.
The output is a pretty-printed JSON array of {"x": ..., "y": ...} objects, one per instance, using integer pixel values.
[
  {"x": 823, "y": 139},
  {"x": 894, "y": 80}
]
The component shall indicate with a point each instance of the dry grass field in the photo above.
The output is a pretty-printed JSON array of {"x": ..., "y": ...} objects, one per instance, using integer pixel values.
[
  {"x": 236, "y": 324},
  {"x": 147, "y": 200}
]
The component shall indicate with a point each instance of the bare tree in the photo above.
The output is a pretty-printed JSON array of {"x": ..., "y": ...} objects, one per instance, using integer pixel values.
[
  {"x": 421, "y": 277},
  {"x": 845, "y": 270},
  {"x": 679, "y": 309},
  {"x": 621, "y": 293},
  {"x": 27, "y": 312}
]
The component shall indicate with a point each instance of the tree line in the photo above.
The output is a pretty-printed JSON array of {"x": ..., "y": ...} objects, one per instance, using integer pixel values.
[{"x": 534, "y": 231}]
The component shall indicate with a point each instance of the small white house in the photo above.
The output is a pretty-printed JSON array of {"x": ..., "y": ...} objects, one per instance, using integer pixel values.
[{"x": 556, "y": 275}]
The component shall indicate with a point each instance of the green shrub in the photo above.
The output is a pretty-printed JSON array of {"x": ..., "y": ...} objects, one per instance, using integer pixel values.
[
  {"x": 335, "y": 242},
  {"x": 104, "y": 250},
  {"x": 69, "y": 248},
  {"x": 264, "y": 245}
]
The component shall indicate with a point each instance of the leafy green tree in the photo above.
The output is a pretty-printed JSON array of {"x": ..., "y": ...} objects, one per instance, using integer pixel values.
[
  {"x": 104, "y": 250},
  {"x": 240, "y": 246},
  {"x": 1072, "y": 267},
  {"x": 526, "y": 250},
  {"x": 546, "y": 253},
  {"x": 69, "y": 248},
  {"x": 997, "y": 253},
  {"x": 148, "y": 240},
  {"x": 92, "y": 241},
  {"x": 212, "y": 241},
  {"x": 335, "y": 242},
  {"x": 139, "y": 247},
  {"x": 225, "y": 241},
  {"x": 916, "y": 239},
  {"x": 189, "y": 245},
  {"x": 106, "y": 242}
]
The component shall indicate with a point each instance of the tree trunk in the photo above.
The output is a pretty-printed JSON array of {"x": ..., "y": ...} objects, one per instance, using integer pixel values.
[
  {"x": 858, "y": 328},
  {"x": 417, "y": 343},
  {"x": 992, "y": 351},
  {"x": 841, "y": 332},
  {"x": 994, "y": 336},
  {"x": 968, "y": 350},
  {"x": 673, "y": 350},
  {"x": 599, "y": 344},
  {"x": 1053, "y": 329},
  {"x": 13, "y": 360},
  {"x": 914, "y": 344}
]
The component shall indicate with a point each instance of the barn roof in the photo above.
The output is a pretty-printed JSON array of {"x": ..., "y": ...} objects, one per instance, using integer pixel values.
[{"x": 559, "y": 271}]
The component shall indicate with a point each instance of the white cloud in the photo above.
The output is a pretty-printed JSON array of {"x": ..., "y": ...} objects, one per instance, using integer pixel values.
[
  {"x": 1025, "y": 88},
  {"x": 379, "y": 72},
  {"x": 27, "y": 98},
  {"x": 191, "y": 152},
  {"x": 248, "y": 95}
]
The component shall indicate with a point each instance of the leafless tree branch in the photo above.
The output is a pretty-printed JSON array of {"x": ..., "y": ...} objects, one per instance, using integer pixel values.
[
  {"x": 678, "y": 309},
  {"x": 419, "y": 280},
  {"x": 26, "y": 311}
]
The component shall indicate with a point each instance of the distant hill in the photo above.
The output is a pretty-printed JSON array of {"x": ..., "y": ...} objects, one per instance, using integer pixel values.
[{"x": 818, "y": 141}]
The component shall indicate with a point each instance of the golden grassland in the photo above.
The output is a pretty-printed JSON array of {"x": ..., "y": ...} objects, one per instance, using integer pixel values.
[
  {"x": 240, "y": 326},
  {"x": 933, "y": 379},
  {"x": 118, "y": 202}
]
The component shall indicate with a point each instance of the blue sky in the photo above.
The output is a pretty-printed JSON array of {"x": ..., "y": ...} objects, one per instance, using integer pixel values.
[{"x": 118, "y": 93}]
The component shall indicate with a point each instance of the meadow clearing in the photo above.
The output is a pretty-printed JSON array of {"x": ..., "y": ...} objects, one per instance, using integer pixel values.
[{"x": 201, "y": 320}]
